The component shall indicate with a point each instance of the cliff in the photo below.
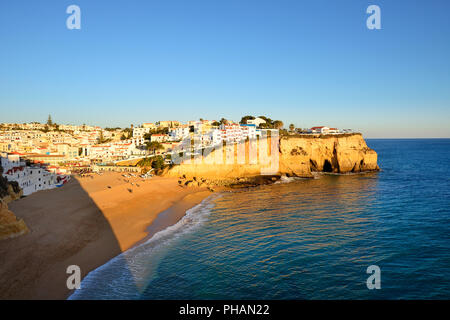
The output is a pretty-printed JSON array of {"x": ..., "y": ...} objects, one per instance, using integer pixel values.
[
  {"x": 303, "y": 154},
  {"x": 298, "y": 155},
  {"x": 10, "y": 226}
]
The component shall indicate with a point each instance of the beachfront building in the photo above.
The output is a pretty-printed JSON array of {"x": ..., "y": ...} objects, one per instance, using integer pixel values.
[
  {"x": 30, "y": 178},
  {"x": 114, "y": 150},
  {"x": 44, "y": 159}
]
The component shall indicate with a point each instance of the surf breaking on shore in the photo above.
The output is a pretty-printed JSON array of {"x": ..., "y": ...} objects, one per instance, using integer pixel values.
[
  {"x": 126, "y": 275},
  {"x": 86, "y": 223}
]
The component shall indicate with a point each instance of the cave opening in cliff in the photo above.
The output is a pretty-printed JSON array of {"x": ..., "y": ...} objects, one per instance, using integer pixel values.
[{"x": 327, "y": 167}]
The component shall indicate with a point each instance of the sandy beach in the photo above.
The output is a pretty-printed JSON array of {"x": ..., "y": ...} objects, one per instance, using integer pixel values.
[{"x": 86, "y": 223}]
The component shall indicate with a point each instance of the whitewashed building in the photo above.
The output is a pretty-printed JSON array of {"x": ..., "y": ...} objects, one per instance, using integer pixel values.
[
  {"x": 29, "y": 178},
  {"x": 179, "y": 133},
  {"x": 257, "y": 121},
  {"x": 140, "y": 132}
]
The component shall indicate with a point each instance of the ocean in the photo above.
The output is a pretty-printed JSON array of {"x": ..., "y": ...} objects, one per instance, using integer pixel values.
[{"x": 303, "y": 238}]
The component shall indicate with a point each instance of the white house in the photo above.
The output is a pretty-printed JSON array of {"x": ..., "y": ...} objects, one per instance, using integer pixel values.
[
  {"x": 179, "y": 133},
  {"x": 257, "y": 121},
  {"x": 215, "y": 136},
  {"x": 323, "y": 130},
  {"x": 29, "y": 178},
  {"x": 140, "y": 132},
  {"x": 249, "y": 131},
  {"x": 159, "y": 137},
  {"x": 231, "y": 132}
]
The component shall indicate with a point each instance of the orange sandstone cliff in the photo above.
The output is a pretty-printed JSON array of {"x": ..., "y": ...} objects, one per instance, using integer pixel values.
[
  {"x": 302, "y": 154},
  {"x": 299, "y": 155},
  {"x": 10, "y": 225}
]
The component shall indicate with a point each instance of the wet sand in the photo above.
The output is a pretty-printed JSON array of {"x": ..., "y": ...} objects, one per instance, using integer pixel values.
[{"x": 86, "y": 223}]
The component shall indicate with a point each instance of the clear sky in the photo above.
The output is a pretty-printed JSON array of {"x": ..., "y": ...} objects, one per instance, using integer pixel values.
[{"x": 303, "y": 62}]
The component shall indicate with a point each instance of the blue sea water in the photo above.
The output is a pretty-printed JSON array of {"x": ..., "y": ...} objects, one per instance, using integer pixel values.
[{"x": 305, "y": 239}]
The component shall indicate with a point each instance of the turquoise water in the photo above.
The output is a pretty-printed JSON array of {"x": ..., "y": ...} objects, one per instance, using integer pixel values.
[{"x": 304, "y": 239}]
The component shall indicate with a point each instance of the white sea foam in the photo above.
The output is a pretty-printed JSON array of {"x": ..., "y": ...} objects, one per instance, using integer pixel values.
[
  {"x": 285, "y": 179},
  {"x": 126, "y": 275}
]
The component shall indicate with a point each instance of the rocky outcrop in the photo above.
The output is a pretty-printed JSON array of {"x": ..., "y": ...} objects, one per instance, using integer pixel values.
[
  {"x": 298, "y": 155},
  {"x": 10, "y": 225},
  {"x": 9, "y": 190},
  {"x": 347, "y": 153}
]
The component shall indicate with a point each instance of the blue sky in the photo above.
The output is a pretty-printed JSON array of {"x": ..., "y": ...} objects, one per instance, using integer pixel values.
[{"x": 303, "y": 62}]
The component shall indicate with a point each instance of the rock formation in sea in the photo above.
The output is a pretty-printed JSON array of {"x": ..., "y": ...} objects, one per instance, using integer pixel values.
[{"x": 298, "y": 156}]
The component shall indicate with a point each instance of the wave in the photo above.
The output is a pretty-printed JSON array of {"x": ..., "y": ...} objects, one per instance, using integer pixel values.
[
  {"x": 127, "y": 275},
  {"x": 285, "y": 179}
]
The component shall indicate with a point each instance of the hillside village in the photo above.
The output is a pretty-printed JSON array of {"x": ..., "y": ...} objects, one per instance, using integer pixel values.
[{"x": 43, "y": 156}]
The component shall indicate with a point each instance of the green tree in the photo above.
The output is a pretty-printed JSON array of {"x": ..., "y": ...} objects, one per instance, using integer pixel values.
[
  {"x": 158, "y": 163},
  {"x": 277, "y": 124},
  {"x": 223, "y": 121},
  {"x": 215, "y": 123},
  {"x": 153, "y": 146},
  {"x": 146, "y": 162},
  {"x": 291, "y": 127},
  {"x": 49, "y": 121},
  {"x": 101, "y": 139},
  {"x": 128, "y": 132},
  {"x": 269, "y": 123},
  {"x": 147, "y": 136}
]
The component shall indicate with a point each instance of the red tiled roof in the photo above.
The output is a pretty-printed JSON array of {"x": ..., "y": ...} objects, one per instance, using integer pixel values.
[{"x": 14, "y": 170}]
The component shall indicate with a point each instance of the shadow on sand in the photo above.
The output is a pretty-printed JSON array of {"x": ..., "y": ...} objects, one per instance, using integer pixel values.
[{"x": 66, "y": 228}]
